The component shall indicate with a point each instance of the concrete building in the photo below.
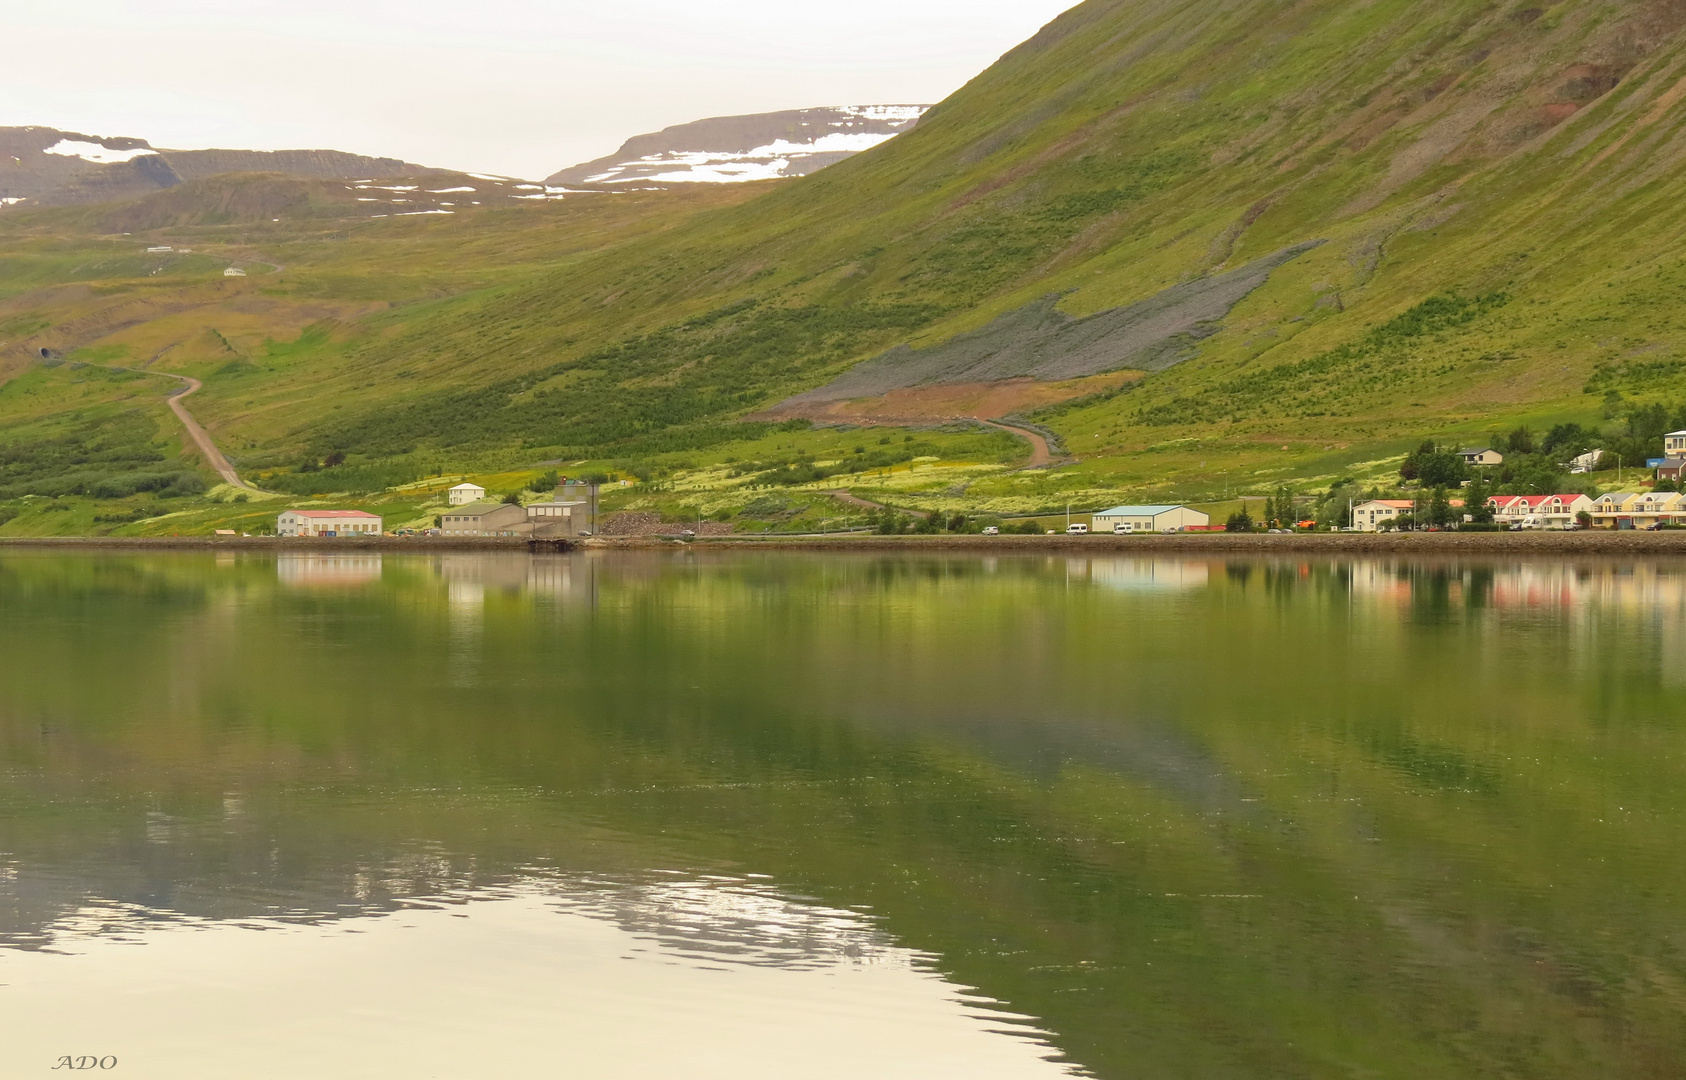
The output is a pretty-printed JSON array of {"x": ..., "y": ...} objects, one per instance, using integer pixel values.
[
  {"x": 1155, "y": 519},
  {"x": 465, "y": 495},
  {"x": 486, "y": 519},
  {"x": 234, "y": 271},
  {"x": 572, "y": 511},
  {"x": 1483, "y": 456},
  {"x": 1372, "y": 515},
  {"x": 327, "y": 523}
]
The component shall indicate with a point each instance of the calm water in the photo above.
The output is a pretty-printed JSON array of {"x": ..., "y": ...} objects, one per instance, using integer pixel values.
[{"x": 785, "y": 816}]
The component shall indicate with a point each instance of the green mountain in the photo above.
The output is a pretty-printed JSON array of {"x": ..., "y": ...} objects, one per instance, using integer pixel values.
[{"x": 1244, "y": 245}]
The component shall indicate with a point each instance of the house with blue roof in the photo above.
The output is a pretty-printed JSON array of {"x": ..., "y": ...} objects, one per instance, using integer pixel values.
[{"x": 1149, "y": 519}]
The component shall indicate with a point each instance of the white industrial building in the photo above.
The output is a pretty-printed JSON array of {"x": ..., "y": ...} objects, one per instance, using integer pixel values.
[
  {"x": 1154, "y": 519},
  {"x": 327, "y": 523}
]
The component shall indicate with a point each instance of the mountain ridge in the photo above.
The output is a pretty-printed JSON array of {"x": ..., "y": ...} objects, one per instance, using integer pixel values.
[
  {"x": 755, "y": 146},
  {"x": 1496, "y": 188},
  {"x": 44, "y": 166}
]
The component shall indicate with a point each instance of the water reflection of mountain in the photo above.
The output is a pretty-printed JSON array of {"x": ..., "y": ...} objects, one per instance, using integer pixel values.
[{"x": 1173, "y": 808}]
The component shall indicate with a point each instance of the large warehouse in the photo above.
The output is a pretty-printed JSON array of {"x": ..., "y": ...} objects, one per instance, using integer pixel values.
[{"x": 1155, "y": 519}]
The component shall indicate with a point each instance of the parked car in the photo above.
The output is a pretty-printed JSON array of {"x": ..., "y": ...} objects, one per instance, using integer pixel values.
[
  {"x": 992, "y": 530},
  {"x": 1123, "y": 528},
  {"x": 1076, "y": 528}
]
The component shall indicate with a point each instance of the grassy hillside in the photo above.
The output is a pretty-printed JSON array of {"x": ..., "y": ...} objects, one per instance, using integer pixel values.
[{"x": 1494, "y": 187}]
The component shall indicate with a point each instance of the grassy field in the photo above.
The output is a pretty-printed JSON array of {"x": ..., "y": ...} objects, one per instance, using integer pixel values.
[{"x": 1496, "y": 194}]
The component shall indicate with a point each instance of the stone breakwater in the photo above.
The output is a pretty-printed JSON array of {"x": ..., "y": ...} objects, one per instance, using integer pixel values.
[
  {"x": 1532, "y": 543},
  {"x": 282, "y": 543}
]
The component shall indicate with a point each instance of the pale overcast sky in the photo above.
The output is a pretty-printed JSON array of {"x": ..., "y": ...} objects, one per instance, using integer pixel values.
[{"x": 521, "y": 87}]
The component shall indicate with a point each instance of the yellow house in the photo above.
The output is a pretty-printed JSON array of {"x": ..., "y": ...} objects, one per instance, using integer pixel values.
[
  {"x": 1614, "y": 511},
  {"x": 1667, "y": 507}
]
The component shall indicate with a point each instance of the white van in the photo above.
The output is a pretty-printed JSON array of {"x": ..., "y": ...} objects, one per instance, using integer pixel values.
[
  {"x": 1123, "y": 528},
  {"x": 1076, "y": 528}
]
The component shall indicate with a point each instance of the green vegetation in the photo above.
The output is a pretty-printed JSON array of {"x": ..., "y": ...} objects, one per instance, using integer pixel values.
[{"x": 1472, "y": 277}]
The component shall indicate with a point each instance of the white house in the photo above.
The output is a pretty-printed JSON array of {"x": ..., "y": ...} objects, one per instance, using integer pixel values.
[
  {"x": 1157, "y": 519},
  {"x": 1540, "y": 511},
  {"x": 1586, "y": 462},
  {"x": 234, "y": 271},
  {"x": 1372, "y": 515},
  {"x": 1483, "y": 456},
  {"x": 327, "y": 523},
  {"x": 465, "y": 494},
  {"x": 1674, "y": 443}
]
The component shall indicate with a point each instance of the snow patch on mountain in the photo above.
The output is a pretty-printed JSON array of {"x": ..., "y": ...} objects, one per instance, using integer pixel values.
[
  {"x": 95, "y": 153},
  {"x": 738, "y": 149}
]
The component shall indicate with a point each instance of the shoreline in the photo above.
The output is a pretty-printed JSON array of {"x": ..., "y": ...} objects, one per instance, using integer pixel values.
[{"x": 1543, "y": 543}]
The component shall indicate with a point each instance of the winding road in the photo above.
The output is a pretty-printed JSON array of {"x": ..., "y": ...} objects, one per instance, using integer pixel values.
[
  {"x": 195, "y": 431},
  {"x": 1041, "y": 456}
]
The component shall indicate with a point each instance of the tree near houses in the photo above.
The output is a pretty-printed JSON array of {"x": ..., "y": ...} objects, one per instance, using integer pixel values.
[
  {"x": 1434, "y": 466},
  {"x": 1475, "y": 502},
  {"x": 1439, "y": 509}
]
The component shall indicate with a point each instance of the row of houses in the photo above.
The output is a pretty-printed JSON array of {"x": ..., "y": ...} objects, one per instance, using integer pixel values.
[
  {"x": 1617, "y": 510},
  {"x": 1668, "y": 467},
  {"x": 571, "y": 511}
]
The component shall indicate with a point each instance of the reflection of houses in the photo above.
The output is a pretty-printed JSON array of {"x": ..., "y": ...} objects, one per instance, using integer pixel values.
[
  {"x": 465, "y": 494},
  {"x": 1141, "y": 575},
  {"x": 313, "y": 569},
  {"x": 470, "y": 576},
  {"x": 327, "y": 523}
]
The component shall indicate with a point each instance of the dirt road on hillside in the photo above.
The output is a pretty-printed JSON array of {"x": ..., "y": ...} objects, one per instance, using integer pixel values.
[
  {"x": 867, "y": 504},
  {"x": 202, "y": 438},
  {"x": 195, "y": 431},
  {"x": 1040, "y": 454}
]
